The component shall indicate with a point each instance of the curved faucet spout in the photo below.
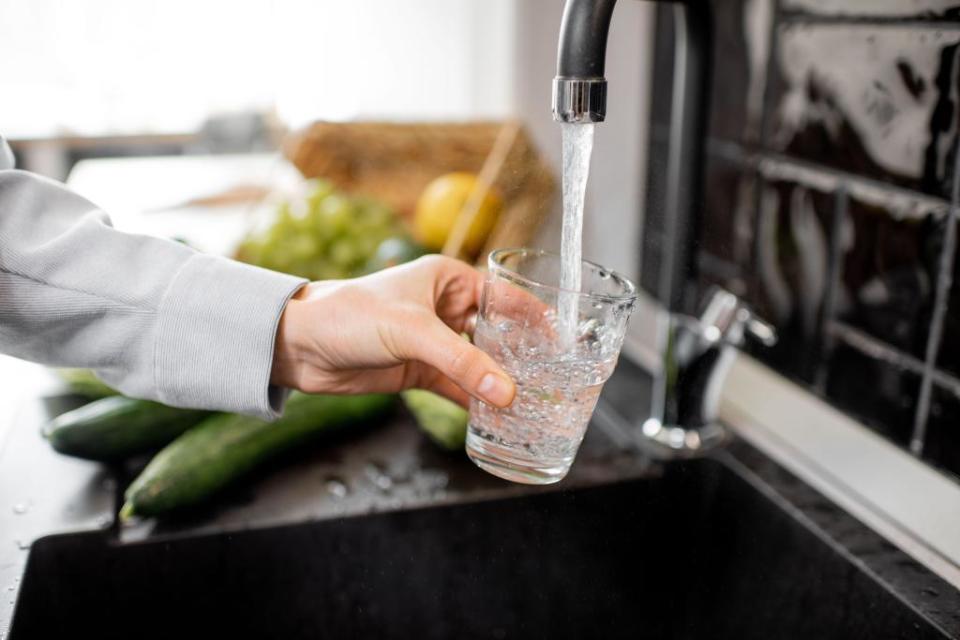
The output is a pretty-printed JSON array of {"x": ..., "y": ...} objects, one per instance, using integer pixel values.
[
  {"x": 580, "y": 90},
  {"x": 583, "y": 38}
]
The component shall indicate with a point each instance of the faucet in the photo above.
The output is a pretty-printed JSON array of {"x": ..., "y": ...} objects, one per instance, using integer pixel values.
[
  {"x": 693, "y": 353},
  {"x": 580, "y": 96}
]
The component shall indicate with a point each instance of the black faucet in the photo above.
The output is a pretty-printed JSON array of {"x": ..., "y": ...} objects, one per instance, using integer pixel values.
[{"x": 580, "y": 96}]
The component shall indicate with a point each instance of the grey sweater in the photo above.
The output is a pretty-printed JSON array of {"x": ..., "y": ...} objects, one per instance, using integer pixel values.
[{"x": 152, "y": 317}]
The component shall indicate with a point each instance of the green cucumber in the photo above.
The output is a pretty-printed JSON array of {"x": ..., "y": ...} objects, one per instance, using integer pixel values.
[
  {"x": 117, "y": 427},
  {"x": 443, "y": 420},
  {"x": 83, "y": 382},
  {"x": 223, "y": 448}
]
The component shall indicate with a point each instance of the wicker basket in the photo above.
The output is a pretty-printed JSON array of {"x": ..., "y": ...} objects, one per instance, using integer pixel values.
[{"x": 393, "y": 162}]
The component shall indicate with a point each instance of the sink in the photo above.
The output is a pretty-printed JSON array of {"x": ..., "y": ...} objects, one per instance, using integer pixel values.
[{"x": 697, "y": 552}]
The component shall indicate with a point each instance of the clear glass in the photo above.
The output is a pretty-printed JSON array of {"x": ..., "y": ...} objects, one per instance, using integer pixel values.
[{"x": 535, "y": 440}]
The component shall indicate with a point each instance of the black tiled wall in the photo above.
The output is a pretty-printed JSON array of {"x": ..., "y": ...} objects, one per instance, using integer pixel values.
[{"x": 830, "y": 176}]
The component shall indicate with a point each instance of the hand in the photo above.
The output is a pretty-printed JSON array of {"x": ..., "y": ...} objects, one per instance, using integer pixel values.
[{"x": 393, "y": 330}]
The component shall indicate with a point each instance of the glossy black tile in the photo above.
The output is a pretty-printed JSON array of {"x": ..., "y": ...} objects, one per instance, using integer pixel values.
[
  {"x": 903, "y": 9},
  {"x": 887, "y": 274},
  {"x": 828, "y": 120},
  {"x": 948, "y": 357},
  {"x": 942, "y": 443},
  {"x": 876, "y": 392},
  {"x": 877, "y": 100},
  {"x": 728, "y": 212},
  {"x": 792, "y": 271}
]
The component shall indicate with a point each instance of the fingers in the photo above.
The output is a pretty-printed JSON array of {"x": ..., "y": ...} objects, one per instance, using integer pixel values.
[
  {"x": 455, "y": 281},
  {"x": 470, "y": 324},
  {"x": 470, "y": 368},
  {"x": 443, "y": 386}
]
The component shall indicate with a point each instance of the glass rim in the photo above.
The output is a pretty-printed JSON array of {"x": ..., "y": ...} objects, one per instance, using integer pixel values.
[{"x": 494, "y": 263}]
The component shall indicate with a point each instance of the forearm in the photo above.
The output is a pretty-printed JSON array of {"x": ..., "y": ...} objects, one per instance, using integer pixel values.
[{"x": 152, "y": 317}]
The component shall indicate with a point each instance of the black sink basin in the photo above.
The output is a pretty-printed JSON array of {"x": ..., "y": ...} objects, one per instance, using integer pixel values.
[{"x": 696, "y": 553}]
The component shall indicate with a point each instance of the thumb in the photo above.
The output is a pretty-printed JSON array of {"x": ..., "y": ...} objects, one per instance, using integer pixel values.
[{"x": 470, "y": 368}]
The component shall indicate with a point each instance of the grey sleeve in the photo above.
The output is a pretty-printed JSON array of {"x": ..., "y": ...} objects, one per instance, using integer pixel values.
[{"x": 152, "y": 317}]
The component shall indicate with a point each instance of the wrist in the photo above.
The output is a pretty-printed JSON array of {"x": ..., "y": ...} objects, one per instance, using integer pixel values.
[{"x": 290, "y": 347}]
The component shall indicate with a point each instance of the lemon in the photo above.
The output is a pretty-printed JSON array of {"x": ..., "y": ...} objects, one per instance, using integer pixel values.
[{"x": 441, "y": 203}]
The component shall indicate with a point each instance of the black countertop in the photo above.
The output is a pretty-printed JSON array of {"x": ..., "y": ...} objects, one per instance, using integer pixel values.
[{"x": 387, "y": 468}]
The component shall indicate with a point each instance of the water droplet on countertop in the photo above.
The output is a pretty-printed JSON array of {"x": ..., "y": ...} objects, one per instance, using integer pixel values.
[
  {"x": 20, "y": 508},
  {"x": 391, "y": 503},
  {"x": 431, "y": 483},
  {"x": 336, "y": 488},
  {"x": 378, "y": 476}
]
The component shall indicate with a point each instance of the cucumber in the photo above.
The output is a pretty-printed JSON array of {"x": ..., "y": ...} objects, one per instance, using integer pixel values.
[
  {"x": 223, "y": 448},
  {"x": 443, "y": 420},
  {"x": 83, "y": 382},
  {"x": 117, "y": 427}
]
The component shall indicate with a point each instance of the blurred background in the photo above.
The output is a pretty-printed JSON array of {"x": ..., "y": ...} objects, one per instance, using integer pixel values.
[
  {"x": 106, "y": 78},
  {"x": 331, "y": 139}
]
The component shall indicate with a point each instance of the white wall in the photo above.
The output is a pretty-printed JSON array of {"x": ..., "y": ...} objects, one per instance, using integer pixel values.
[{"x": 113, "y": 66}]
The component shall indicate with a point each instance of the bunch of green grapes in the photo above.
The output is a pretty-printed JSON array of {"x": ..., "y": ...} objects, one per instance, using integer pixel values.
[{"x": 329, "y": 235}]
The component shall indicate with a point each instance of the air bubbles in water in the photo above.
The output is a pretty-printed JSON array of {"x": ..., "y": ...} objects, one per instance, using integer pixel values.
[{"x": 589, "y": 331}]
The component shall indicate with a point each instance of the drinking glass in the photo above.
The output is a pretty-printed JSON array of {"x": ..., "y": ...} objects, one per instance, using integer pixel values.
[{"x": 558, "y": 359}]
